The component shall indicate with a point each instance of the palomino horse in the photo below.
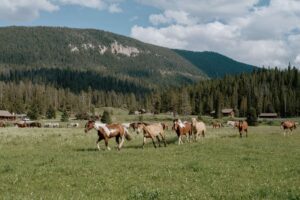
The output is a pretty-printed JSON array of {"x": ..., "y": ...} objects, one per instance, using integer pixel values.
[
  {"x": 182, "y": 128},
  {"x": 198, "y": 128},
  {"x": 152, "y": 131},
  {"x": 243, "y": 127},
  {"x": 288, "y": 125},
  {"x": 108, "y": 131},
  {"x": 135, "y": 125}
]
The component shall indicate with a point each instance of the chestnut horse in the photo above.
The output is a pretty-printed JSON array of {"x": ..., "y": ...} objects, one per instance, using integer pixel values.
[
  {"x": 198, "y": 128},
  {"x": 2, "y": 124},
  {"x": 182, "y": 128},
  {"x": 243, "y": 127},
  {"x": 108, "y": 131},
  {"x": 216, "y": 124},
  {"x": 152, "y": 131},
  {"x": 288, "y": 125}
]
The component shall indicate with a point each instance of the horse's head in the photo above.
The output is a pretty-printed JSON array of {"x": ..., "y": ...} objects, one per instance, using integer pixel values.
[
  {"x": 194, "y": 121},
  {"x": 89, "y": 125},
  {"x": 140, "y": 128},
  {"x": 175, "y": 125}
]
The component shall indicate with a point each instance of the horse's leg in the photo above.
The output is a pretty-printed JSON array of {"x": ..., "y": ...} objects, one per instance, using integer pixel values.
[
  {"x": 122, "y": 142},
  {"x": 246, "y": 131},
  {"x": 118, "y": 140},
  {"x": 179, "y": 140},
  {"x": 97, "y": 143},
  {"x": 164, "y": 139},
  {"x": 158, "y": 140},
  {"x": 144, "y": 141},
  {"x": 106, "y": 143},
  {"x": 152, "y": 137}
]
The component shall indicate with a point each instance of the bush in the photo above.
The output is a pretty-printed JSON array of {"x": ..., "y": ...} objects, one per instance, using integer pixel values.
[
  {"x": 64, "y": 116},
  {"x": 50, "y": 113},
  {"x": 82, "y": 116},
  {"x": 252, "y": 117},
  {"x": 106, "y": 118}
]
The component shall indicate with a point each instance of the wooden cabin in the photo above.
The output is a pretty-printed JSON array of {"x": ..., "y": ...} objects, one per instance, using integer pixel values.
[{"x": 7, "y": 116}]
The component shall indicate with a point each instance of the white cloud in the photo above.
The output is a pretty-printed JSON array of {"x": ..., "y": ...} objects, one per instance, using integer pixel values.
[
  {"x": 96, "y": 4},
  {"x": 115, "y": 8},
  {"x": 24, "y": 10},
  {"x": 170, "y": 16},
  {"x": 262, "y": 35}
]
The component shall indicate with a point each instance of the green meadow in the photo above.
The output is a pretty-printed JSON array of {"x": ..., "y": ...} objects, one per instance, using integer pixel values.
[{"x": 62, "y": 163}]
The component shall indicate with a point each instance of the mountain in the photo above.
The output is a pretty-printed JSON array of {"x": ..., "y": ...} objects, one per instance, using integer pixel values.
[
  {"x": 106, "y": 54},
  {"x": 214, "y": 64}
]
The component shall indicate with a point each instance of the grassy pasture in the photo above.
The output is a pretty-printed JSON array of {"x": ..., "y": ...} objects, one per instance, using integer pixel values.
[{"x": 64, "y": 164}]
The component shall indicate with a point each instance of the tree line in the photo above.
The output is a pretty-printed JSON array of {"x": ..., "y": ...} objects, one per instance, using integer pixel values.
[{"x": 264, "y": 90}]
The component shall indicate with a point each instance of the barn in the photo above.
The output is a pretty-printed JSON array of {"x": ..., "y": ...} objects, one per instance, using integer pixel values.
[
  {"x": 268, "y": 115},
  {"x": 6, "y": 115},
  {"x": 226, "y": 112}
]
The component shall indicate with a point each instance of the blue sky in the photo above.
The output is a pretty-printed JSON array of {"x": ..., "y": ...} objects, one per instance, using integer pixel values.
[{"x": 259, "y": 32}]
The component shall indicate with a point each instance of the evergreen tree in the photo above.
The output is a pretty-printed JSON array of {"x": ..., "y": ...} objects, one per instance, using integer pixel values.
[
  {"x": 65, "y": 116},
  {"x": 33, "y": 112},
  {"x": 50, "y": 113},
  {"x": 106, "y": 118},
  {"x": 252, "y": 117}
]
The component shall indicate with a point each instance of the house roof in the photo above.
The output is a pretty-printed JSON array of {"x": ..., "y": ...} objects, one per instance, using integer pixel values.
[
  {"x": 5, "y": 113},
  {"x": 224, "y": 111},
  {"x": 227, "y": 110},
  {"x": 268, "y": 115}
]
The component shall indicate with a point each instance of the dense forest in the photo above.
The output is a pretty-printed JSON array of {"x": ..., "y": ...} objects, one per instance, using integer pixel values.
[{"x": 271, "y": 90}]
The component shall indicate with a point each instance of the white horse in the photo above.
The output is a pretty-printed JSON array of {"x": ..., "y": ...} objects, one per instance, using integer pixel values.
[
  {"x": 198, "y": 128},
  {"x": 233, "y": 124}
]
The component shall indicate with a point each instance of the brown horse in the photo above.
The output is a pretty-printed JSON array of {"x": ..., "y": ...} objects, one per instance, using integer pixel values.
[
  {"x": 2, "y": 124},
  {"x": 135, "y": 125},
  {"x": 243, "y": 127},
  {"x": 152, "y": 131},
  {"x": 105, "y": 132},
  {"x": 34, "y": 124},
  {"x": 181, "y": 129},
  {"x": 216, "y": 124},
  {"x": 288, "y": 125}
]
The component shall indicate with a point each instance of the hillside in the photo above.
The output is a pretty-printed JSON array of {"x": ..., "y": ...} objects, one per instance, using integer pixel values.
[
  {"x": 214, "y": 64},
  {"x": 105, "y": 53}
]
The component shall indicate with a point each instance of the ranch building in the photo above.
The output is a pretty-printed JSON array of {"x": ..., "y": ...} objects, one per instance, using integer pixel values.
[
  {"x": 6, "y": 115},
  {"x": 226, "y": 112},
  {"x": 268, "y": 115}
]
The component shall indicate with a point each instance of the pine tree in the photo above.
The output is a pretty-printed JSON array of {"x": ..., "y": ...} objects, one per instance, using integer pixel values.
[
  {"x": 50, "y": 113},
  {"x": 106, "y": 118},
  {"x": 33, "y": 112},
  {"x": 252, "y": 117},
  {"x": 64, "y": 116}
]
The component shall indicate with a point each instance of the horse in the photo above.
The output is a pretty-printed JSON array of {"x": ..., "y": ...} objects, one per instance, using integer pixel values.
[
  {"x": 75, "y": 125},
  {"x": 233, "y": 124},
  {"x": 2, "y": 124},
  {"x": 288, "y": 125},
  {"x": 34, "y": 124},
  {"x": 21, "y": 124},
  {"x": 152, "y": 131},
  {"x": 108, "y": 131},
  {"x": 182, "y": 128},
  {"x": 198, "y": 128},
  {"x": 135, "y": 125},
  {"x": 216, "y": 124},
  {"x": 243, "y": 127}
]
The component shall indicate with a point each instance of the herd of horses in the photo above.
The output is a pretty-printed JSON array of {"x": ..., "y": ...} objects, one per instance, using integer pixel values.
[{"x": 190, "y": 130}]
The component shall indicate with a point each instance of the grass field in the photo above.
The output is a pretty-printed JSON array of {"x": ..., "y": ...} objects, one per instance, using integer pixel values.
[{"x": 64, "y": 164}]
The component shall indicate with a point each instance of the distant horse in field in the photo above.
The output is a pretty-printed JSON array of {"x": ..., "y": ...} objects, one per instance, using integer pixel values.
[
  {"x": 288, "y": 125},
  {"x": 21, "y": 124},
  {"x": 73, "y": 125},
  {"x": 181, "y": 129},
  {"x": 34, "y": 124},
  {"x": 152, "y": 131},
  {"x": 216, "y": 124},
  {"x": 2, "y": 124},
  {"x": 199, "y": 128},
  {"x": 233, "y": 124},
  {"x": 243, "y": 127},
  {"x": 105, "y": 132}
]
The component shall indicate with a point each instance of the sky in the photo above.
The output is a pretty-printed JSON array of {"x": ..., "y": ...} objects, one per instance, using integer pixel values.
[{"x": 258, "y": 32}]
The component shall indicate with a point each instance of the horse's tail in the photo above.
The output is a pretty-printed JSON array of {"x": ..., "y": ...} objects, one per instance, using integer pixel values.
[{"x": 127, "y": 136}]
